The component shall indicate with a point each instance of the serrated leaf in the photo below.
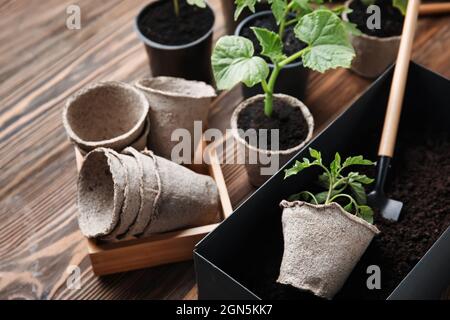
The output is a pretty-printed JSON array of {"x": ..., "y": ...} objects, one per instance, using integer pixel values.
[
  {"x": 198, "y": 3},
  {"x": 315, "y": 154},
  {"x": 401, "y": 5},
  {"x": 296, "y": 168},
  {"x": 278, "y": 8},
  {"x": 362, "y": 178},
  {"x": 335, "y": 164},
  {"x": 233, "y": 62},
  {"x": 272, "y": 46},
  {"x": 357, "y": 160},
  {"x": 328, "y": 43},
  {"x": 366, "y": 213},
  {"x": 358, "y": 192},
  {"x": 241, "y": 5}
]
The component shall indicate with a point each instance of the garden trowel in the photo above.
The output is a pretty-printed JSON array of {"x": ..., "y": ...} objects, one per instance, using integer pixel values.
[{"x": 389, "y": 208}]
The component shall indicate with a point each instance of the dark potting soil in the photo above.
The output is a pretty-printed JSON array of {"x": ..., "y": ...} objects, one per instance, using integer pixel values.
[
  {"x": 289, "y": 120},
  {"x": 160, "y": 24},
  {"x": 291, "y": 43},
  {"x": 421, "y": 180},
  {"x": 391, "y": 19}
]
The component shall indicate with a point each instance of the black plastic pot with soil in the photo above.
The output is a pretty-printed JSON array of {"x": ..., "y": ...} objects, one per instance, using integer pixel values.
[
  {"x": 375, "y": 48},
  {"x": 177, "y": 45},
  {"x": 412, "y": 254},
  {"x": 293, "y": 77}
]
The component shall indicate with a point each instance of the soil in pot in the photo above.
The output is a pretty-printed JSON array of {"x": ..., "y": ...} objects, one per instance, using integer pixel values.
[
  {"x": 291, "y": 43},
  {"x": 289, "y": 120},
  {"x": 422, "y": 183},
  {"x": 160, "y": 24},
  {"x": 391, "y": 19}
]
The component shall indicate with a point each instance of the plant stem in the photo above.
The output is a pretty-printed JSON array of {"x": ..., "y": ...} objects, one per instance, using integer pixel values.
[
  {"x": 176, "y": 7},
  {"x": 283, "y": 21},
  {"x": 293, "y": 57},
  {"x": 268, "y": 89},
  {"x": 343, "y": 195}
]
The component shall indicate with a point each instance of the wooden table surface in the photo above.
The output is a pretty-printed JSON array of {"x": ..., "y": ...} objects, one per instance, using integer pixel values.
[{"x": 41, "y": 64}]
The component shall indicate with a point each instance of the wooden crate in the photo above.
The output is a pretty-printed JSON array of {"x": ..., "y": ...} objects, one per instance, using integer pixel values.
[{"x": 159, "y": 249}]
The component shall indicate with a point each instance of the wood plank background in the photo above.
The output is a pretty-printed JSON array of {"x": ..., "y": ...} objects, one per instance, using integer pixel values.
[{"x": 41, "y": 64}]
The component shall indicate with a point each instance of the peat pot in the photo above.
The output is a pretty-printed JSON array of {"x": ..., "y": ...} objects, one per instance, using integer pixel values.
[
  {"x": 109, "y": 115},
  {"x": 175, "y": 104},
  {"x": 322, "y": 244},
  {"x": 190, "y": 59},
  {"x": 373, "y": 54},
  {"x": 256, "y": 178},
  {"x": 293, "y": 77},
  {"x": 241, "y": 259}
]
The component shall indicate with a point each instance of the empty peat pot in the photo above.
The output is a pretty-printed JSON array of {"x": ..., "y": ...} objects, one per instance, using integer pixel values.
[
  {"x": 106, "y": 114},
  {"x": 247, "y": 113},
  {"x": 175, "y": 103},
  {"x": 374, "y": 53},
  {"x": 177, "y": 46},
  {"x": 322, "y": 244},
  {"x": 135, "y": 194},
  {"x": 293, "y": 77}
]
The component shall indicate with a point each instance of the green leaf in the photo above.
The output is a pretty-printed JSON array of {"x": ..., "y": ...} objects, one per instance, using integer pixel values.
[
  {"x": 335, "y": 164},
  {"x": 298, "y": 167},
  {"x": 315, "y": 154},
  {"x": 359, "y": 192},
  {"x": 304, "y": 196},
  {"x": 324, "y": 180},
  {"x": 352, "y": 28},
  {"x": 327, "y": 38},
  {"x": 278, "y": 8},
  {"x": 241, "y": 5},
  {"x": 272, "y": 46},
  {"x": 303, "y": 5},
  {"x": 362, "y": 178},
  {"x": 366, "y": 213},
  {"x": 233, "y": 62},
  {"x": 198, "y": 3},
  {"x": 349, "y": 207},
  {"x": 358, "y": 160},
  {"x": 321, "y": 197},
  {"x": 401, "y": 5}
]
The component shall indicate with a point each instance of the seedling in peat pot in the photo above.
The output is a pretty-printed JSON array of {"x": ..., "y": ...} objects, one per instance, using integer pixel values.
[
  {"x": 348, "y": 187},
  {"x": 198, "y": 3},
  {"x": 323, "y": 32}
]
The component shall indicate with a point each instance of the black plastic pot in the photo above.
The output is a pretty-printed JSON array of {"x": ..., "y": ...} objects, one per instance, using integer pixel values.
[
  {"x": 253, "y": 233},
  {"x": 191, "y": 61},
  {"x": 293, "y": 77}
]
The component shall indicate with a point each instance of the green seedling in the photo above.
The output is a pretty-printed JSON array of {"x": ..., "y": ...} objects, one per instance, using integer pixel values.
[
  {"x": 198, "y": 3},
  {"x": 348, "y": 187},
  {"x": 399, "y": 4},
  {"x": 324, "y": 33}
]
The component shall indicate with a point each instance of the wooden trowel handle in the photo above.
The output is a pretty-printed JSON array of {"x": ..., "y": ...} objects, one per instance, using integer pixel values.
[
  {"x": 394, "y": 107},
  {"x": 435, "y": 8}
]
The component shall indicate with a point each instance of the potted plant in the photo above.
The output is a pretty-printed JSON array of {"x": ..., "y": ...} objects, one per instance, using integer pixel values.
[
  {"x": 177, "y": 35},
  {"x": 323, "y": 241},
  {"x": 234, "y": 61},
  {"x": 375, "y": 48},
  {"x": 282, "y": 18}
]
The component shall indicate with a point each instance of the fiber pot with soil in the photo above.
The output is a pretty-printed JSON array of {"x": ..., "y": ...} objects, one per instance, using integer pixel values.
[
  {"x": 178, "y": 38},
  {"x": 324, "y": 239},
  {"x": 234, "y": 61},
  {"x": 376, "y": 48}
]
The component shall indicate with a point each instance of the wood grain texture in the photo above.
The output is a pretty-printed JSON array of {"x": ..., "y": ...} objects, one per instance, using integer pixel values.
[{"x": 41, "y": 64}]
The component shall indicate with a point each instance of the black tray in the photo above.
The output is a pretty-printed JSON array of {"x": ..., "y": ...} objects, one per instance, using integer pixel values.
[{"x": 230, "y": 260}]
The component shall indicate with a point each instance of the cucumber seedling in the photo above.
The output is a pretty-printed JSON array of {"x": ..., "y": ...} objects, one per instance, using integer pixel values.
[
  {"x": 198, "y": 3},
  {"x": 347, "y": 187},
  {"x": 324, "y": 33}
]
